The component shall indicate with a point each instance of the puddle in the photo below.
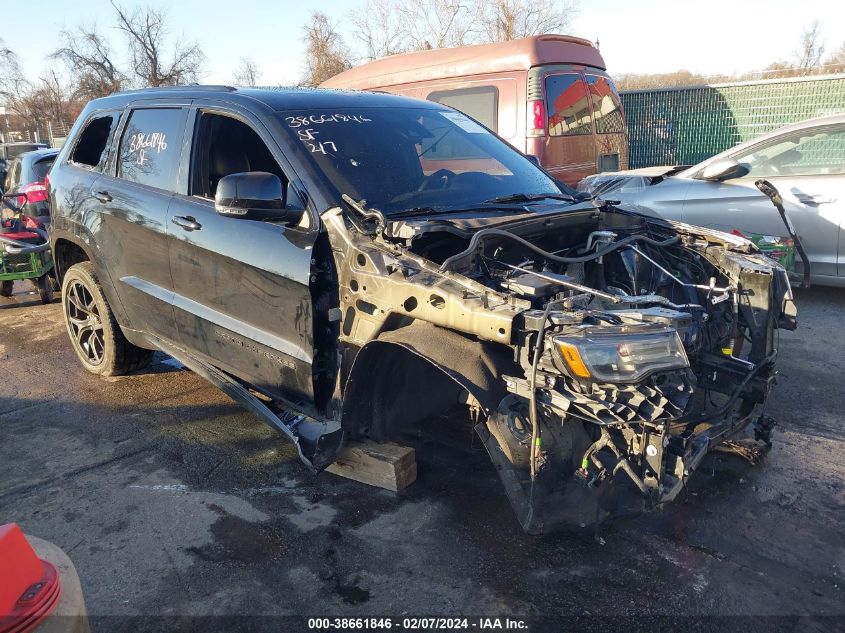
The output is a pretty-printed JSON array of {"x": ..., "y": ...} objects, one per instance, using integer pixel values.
[
  {"x": 237, "y": 541},
  {"x": 352, "y": 594}
]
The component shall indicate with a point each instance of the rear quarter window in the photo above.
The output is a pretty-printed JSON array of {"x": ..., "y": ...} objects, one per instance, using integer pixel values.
[
  {"x": 90, "y": 149},
  {"x": 150, "y": 147},
  {"x": 481, "y": 103}
]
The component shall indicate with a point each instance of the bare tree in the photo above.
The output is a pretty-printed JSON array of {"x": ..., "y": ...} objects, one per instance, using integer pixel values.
[
  {"x": 247, "y": 73},
  {"x": 380, "y": 29},
  {"x": 46, "y": 99},
  {"x": 505, "y": 20},
  {"x": 387, "y": 27},
  {"x": 810, "y": 51},
  {"x": 326, "y": 54},
  {"x": 49, "y": 99},
  {"x": 835, "y": 63},
  {"x": 12, "y": 81},
  {"x": 90, "y": 60},
  {"x": 145, "y": 30},
  {"x": 436, "y": 23}
]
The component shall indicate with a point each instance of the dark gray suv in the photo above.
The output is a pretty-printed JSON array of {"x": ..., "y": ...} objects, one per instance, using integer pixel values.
[{"x": 350, "y": 264}]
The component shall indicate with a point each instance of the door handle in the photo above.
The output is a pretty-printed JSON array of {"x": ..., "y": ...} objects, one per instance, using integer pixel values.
[
  {"x": 102, "y": 196},
  {"x": 189, "y": 223},
  {"x": 807, "y": 198}
]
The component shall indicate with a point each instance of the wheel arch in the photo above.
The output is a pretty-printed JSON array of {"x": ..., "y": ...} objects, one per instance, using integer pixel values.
[
  {"x": 70, "y": 248},
  {"x": 407, "y": 375},
  {"x": 67, "y": 251}
]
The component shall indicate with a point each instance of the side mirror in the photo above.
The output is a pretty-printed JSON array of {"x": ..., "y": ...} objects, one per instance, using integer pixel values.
[
  {"x": 254, "y": 195},
  {"x": 723, "y": 169}
]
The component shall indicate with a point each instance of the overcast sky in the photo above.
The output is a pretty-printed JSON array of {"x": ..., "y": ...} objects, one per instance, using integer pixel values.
[{"x": 716, "y": 36}]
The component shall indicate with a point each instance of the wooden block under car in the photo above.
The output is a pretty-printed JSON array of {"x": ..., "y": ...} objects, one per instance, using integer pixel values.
[{"x": 386, "y": 465}]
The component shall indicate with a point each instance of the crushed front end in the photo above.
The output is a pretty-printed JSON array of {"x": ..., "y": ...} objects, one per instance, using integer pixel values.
[
  {"x": 633, "y": 346},
  {"x": 635, "y": 365}
]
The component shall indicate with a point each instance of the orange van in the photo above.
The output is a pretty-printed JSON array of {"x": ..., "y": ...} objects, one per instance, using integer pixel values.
[{"x": 547, "y": 95}]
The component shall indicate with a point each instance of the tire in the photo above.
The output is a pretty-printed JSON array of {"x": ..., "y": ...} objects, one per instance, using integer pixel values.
[
  {"x": 45, "y": 289},
  {"x": 6, "y": 288},
  {"x": 94, "y": 333}
]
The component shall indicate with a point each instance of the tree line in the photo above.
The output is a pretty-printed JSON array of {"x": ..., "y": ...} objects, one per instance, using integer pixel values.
[
  {"x": 807, "y": 59},
  {"x": 86, "y": 64},
  {"x": 389, "y": 27}
]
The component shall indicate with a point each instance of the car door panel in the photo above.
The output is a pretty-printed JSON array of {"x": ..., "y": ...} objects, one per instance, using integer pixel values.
[
  {"x": 242, "y": 296},
  {"x": 134, "y": 198},
  {"x": 134, "y": 223}
]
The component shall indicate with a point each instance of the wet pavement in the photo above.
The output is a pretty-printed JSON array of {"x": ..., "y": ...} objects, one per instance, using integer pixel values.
[{"x": 170, "y": 499}]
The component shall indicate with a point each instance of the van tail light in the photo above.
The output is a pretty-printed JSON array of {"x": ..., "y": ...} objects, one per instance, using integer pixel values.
[
  {"x": 35, "y": 192},
  {"x": 536, "y": 116}
]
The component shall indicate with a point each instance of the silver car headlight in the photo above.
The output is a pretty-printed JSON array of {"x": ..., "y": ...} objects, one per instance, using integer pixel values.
[{"x": 618, "y": 355}]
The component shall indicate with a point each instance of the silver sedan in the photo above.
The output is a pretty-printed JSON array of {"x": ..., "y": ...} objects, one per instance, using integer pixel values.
[{"x": 806, "y": 163}]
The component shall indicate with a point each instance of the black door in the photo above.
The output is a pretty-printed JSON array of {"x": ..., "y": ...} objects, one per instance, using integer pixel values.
[
  {"x": 241, "y": 286},
  {"x": 134, "y": 196}
]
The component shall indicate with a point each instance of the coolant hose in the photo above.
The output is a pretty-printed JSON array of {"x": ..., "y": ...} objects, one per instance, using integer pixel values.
[{"x": 483, "y": 233}]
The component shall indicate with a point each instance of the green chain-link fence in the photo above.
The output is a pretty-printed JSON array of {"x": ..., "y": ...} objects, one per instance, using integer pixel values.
[{"x": 682, "y": 126}]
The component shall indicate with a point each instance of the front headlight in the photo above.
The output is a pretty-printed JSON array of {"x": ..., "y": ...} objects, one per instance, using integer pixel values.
[{"x": 618, "y": 355}]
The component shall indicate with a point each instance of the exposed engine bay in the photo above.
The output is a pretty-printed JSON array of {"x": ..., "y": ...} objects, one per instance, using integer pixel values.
[{"x": 613, "y": 350}]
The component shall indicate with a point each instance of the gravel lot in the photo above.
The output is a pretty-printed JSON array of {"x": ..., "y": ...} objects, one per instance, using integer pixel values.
[{"x": 172, "y": 500}]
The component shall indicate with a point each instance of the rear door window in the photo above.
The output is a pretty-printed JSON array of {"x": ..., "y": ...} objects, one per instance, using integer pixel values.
[
  {"x": 90, "y": 150},
  {"x": 481, "y": 103},
  {"x": 568, "y": 105},
  {"x": 607, "y": 109},
  {"x": 151, "y": 146}
]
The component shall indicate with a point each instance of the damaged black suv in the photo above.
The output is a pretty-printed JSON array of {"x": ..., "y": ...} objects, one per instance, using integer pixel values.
[{"x": 349, "y": 264}]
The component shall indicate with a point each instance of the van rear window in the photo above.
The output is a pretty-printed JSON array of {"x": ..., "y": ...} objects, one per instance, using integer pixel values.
[
  {"x": 607, "y": 109},
  {"x": 481, "y": 103},
  {"x": 568, "y": 105}
]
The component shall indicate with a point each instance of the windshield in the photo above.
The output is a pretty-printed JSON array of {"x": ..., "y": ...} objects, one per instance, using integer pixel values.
[{"x": 401, "y": 159}]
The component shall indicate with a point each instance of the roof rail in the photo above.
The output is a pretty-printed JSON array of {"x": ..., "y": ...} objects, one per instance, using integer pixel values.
[{"x": 209, "y": 87}]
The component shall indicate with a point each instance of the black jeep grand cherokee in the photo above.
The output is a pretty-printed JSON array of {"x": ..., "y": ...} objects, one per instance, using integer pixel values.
[{"x": 349, "y": 264}]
